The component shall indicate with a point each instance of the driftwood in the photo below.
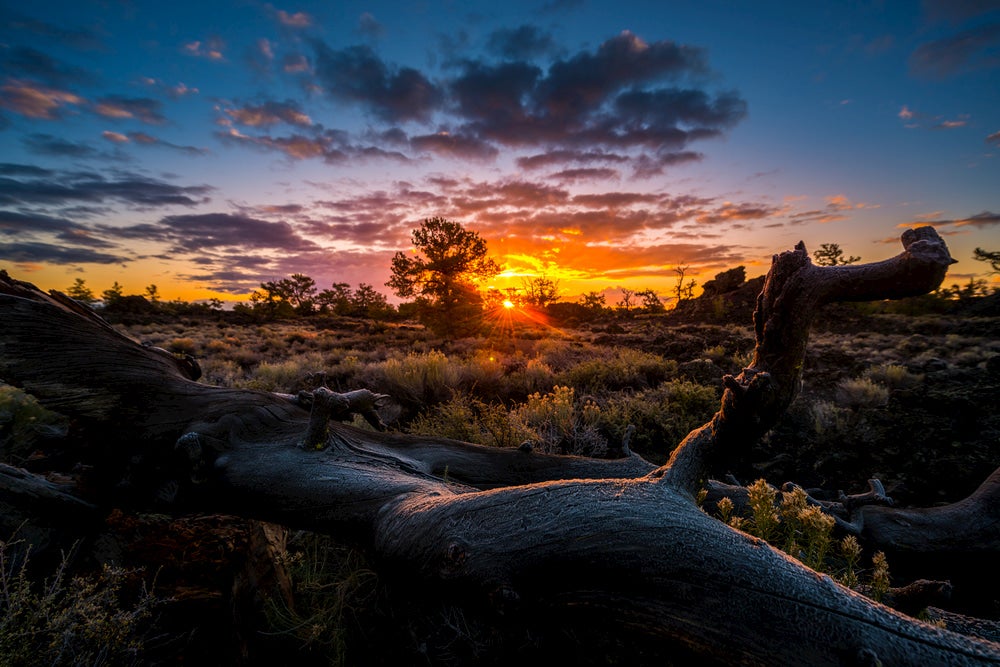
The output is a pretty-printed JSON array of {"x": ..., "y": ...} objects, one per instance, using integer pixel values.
[{"x": 616, "y": 538}]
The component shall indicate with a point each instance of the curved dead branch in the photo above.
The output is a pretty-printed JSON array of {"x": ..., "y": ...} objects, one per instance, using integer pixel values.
[{"x": 617, "y": 538}]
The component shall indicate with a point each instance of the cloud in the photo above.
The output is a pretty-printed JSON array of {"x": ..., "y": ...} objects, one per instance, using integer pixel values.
[
  {"x": 57, "y": 188},
  {"x": 26, "y": 62},
  {"x": 294, "y": 63},
  {"x": 561, "y": 156},
  {"x": 525, "y": 41},
  {"x": 296, "y": 20},
  {"x": 950, "y": 124},
  {"x": 357, "y": 74},
  {"x": 609, "y": 100},
  {"x": 82, "y": 39},
  {"x": 985, "y": 219},
  {"x": 143, "y": 139},
  {"x": 28, "y": 225},
  {"x": 10, "y": 169},
  {"x": 47, "y": 144},
  {"x": 993, "y": 138},
  {"x": 585, "y": 174},
  {"x": 174, "y": 92},
  {"x": 118, "y": 107},
  {"x": 269, "y": 113},
  {"x": 193, "y": 233},
  {"x": 447, "y": 144},
  {"x": 625, "y": 102},
  {"x": 370, "y": 27},
  {"x": 35, "y": 100},
  {"x": 32, "y": 251},
  {"x": 971, "y": 49},
  {"x": 211, "y": 49}
]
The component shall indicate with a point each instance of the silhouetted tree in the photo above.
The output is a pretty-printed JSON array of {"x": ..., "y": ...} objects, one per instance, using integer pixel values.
[
  {"x": 683, "y": 291},
  {"x": 595, "y": 301},
  {"x": 448, "y": 263},
  {"x": 650, "y": 301},
  {"x": 112, "y": 294},
  {"x": 993, "y": 258},
  {"x": 540, "y": 291},
  {"x": 830, "y": 254},
  {"x": 626, "y": 303},
  {"x": 152, "y": 294},
  {"x": 366, "y": 302},
  {"x": 336, "y": 299},
  {"x": 79, "y": 291}
]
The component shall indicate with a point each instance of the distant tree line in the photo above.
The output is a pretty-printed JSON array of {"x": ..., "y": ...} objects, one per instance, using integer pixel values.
[{"x": 445, "y": 280}]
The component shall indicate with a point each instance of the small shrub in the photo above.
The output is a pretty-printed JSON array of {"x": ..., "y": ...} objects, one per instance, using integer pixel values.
[
  {"x": 182, "y": 346},
  {"x": 879, "y": 576},
  {"x": 765, "y": 516},
  {"x": 22, "y": 421},
  {"x": 625, "y": 368},
  {"x": 418, "y": 378},
  {"x": 468, "y": 419},
  {"x": 861, "y": 392},
  {"x": 70, "y": 620},
  {"x": 894, "y": 376},
  {"x": 560, "y": 425}
]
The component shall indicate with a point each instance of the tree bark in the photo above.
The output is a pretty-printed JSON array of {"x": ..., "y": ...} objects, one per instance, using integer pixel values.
[{"x": 617, "y": 538}]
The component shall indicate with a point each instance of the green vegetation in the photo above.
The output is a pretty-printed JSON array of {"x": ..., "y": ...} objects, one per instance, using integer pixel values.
[{"x": 63, "y": 620}]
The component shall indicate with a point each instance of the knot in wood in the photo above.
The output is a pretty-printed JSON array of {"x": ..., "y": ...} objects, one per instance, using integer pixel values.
[{"x": 455, "y": 556}]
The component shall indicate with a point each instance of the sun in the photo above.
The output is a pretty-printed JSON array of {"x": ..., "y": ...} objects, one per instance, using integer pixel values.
[{"x": 508, "y": 304}]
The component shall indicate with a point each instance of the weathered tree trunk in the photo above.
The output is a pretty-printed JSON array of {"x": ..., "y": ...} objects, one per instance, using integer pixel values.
[{"x": 618, "y": 538}]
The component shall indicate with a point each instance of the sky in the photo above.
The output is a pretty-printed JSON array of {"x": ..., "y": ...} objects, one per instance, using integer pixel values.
[{"x": 206, "y": 147}]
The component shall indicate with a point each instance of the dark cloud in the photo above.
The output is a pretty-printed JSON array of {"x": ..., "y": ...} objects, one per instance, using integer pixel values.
[
  {"x": 269, "y": 113},
  {"x": 83, "y": 39},
  {"x": 447, "y": 144},
  {"x": 357, "y": 74},
  {"x": 144, "y": 109},
  {"x": 46, "y": 144},
  {"x": 14, "y": 222},
  {"x": 332, "y": 146},
  {"x": 143, "y": 139},
  {"x": 31, "y": 63},
  {"x": 523, "y": 42},
  {"x": 601, "y": 102},
  {"x": 20, "y": 224},
  {"x": 982, "y": 220},
  {"x": 620, "y": 103},
  {"x": 31, "y": 251},
  {"x": 971, "y": 49},
  {"x": 191, "y": 233},
  {"x": 558, "y": 157},
  {"x": 11, "y": 169},
  {"x": 585, "y": 174},
  {"x": 68, "y": 187}
]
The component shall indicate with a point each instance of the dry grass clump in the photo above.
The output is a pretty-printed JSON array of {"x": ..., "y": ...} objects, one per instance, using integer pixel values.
[{"x": 863, "y": 392}]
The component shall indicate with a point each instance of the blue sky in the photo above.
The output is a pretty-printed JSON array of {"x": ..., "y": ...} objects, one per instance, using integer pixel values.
[{"x": 206, "y": 147}]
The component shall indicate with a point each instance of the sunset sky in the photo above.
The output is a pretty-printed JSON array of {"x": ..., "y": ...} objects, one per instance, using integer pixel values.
[{"x": 208, "y": 146}]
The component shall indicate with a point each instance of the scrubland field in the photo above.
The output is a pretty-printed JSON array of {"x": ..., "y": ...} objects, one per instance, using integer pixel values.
[{"x": 907, "y": 399}]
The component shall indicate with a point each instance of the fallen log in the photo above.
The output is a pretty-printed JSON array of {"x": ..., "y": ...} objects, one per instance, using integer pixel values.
[{"x": 618, "y": 539}]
